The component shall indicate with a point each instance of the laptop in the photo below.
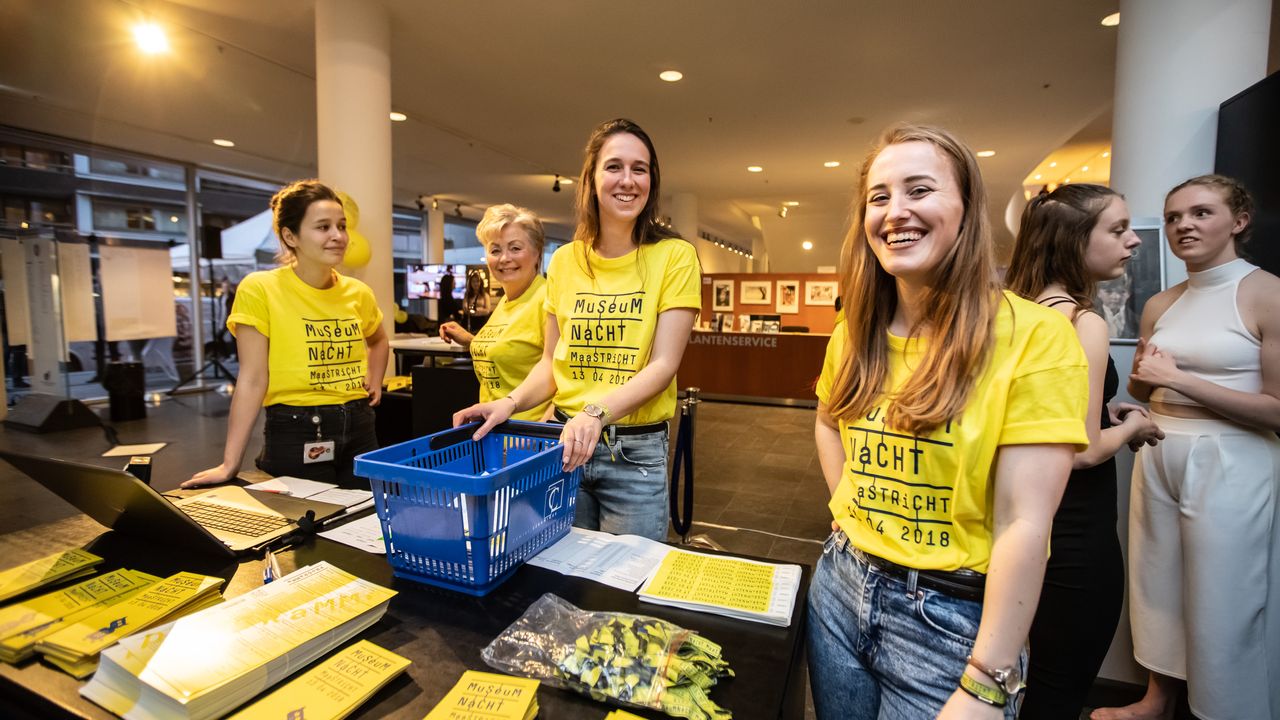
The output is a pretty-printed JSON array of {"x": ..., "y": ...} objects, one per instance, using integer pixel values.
[{"x": 228, "y": 520}]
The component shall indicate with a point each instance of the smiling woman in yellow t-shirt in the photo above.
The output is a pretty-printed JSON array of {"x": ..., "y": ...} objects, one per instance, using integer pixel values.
[
  {"x": 311, "y": 347},
  {"x": 621, "y": 301},
  {"x": 510, "y": 343}
]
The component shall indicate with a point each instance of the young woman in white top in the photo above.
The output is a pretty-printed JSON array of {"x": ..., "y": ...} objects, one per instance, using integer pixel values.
[{"x": 1204, "y": 554}]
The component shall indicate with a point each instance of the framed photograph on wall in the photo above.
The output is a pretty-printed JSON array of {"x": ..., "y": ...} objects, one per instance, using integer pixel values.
[
  {"x": 821, "y": 292},
  {"x": 721, "y": 295},
  {"x": 1120, "y": 301},
  {"x": 789, "y": 296},
  {"x": 756, "y": 292}
]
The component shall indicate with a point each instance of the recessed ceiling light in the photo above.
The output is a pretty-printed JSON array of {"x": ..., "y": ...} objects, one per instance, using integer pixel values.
[
  {"x": 1084, "y": 169},
  {"x": 173, "y": 218},
  {"x": 1037, "y": 177},
  {"x": 671, "y": 75},
  {"x": 831, "y": 163},
  {"x": 566, "y": 181},
  {"x": 1111, "y": 20},
  {"x": 150, "y": 38},
  {"x": 1053, "y": 164},
  {"x": 754, "y": 168},
  {"x": 791, "y": 203},
  {"x": 1106, "y": 154},
  {"x": 223, "y": 143},
  {"x": 985, "y": 153},
  {"x": 398, "y": 117},
  {"x": 1067, "y": 181},
  {"x": 807, "y": 245}
]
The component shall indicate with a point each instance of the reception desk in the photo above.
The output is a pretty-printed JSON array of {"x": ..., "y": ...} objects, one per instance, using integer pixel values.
[{"x": 770, "y": 368}]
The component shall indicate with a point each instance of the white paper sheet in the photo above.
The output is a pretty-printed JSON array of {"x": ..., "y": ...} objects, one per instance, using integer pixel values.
[
  {"x": 137, "y": 293},
  {"x": 621, "y": 561},
  {"x": 292, "y": 486},
  {"x": 352, "y": 499},
  {"x": 363, "y": 534},
  {"x": 131, "y": 450}
]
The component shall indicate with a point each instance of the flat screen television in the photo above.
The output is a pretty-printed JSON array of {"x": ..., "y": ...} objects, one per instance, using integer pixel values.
[
  {"x": 423, "y": 281},
  {"x": 1249, "y": 151}
]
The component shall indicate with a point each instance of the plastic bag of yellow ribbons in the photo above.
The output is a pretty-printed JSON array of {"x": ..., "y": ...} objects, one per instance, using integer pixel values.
[{"x": 630, "y": 660}]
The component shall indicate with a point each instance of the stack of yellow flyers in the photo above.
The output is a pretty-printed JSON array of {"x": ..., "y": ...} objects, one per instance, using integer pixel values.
[
  {"x": 737, "y": 588},
  {"x": 332, "y": 689},
  {"x": 488, "y": 696},
  {"x": 59, "y": 566},
  {"x": 211, "y": 662},
  {"x": 24, "y": 624},
  {"x": 75, "y": 648},
  {"x": 622, "y": 715}
]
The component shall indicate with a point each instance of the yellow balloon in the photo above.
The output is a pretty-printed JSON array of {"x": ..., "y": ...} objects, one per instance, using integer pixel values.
[
  {"x": 401, "y": 315},
  {"x": 350, "y": 209},
  {"x": 358, "y": 250}
]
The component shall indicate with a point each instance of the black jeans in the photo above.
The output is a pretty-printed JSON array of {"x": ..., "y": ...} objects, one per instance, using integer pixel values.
[{"x": 290, "y": 427}]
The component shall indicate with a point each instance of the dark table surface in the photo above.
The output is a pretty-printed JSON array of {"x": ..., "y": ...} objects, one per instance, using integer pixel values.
[{"x": 440, "y": 631}]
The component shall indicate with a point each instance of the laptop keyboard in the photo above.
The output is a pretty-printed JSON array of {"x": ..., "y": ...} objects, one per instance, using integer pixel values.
[{"x": 235, "y": 520}]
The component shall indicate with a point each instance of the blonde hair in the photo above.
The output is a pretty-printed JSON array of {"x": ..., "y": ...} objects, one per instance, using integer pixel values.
[
  {"x": 497, "y": 218},
  {"x": 959, "y": 310}
]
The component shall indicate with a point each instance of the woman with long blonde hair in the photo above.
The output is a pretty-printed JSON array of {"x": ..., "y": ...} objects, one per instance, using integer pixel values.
[{"x": 948, "y": 415}]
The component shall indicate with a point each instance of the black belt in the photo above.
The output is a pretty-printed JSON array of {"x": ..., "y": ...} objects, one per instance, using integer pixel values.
[
  {"x": 561, "y": 417},
  {"x": 966, "y": 585}
]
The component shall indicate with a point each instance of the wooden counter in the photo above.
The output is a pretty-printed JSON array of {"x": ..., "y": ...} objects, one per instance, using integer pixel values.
[{"x": 772, "y": 368}]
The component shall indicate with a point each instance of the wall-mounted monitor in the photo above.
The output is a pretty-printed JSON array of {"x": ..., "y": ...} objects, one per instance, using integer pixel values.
[{"x": 423, "y": 281}]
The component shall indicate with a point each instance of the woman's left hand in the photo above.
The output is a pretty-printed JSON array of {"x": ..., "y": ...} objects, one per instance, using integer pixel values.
[
  {"x": 579, "y": 437},
  {"x": 1155, "y": 367},
  {"x": 962, "y": 705},
  {"x": 375, "y": 393}
]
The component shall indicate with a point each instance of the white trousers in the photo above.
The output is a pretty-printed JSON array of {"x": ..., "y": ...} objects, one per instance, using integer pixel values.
[{"x": 1204, "y": 565}]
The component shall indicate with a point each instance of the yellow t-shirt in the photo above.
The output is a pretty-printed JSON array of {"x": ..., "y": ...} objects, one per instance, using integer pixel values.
[
  {"x": 607, "y": 322},
  {"x": 316, "y": 338},
  {"x": 927, "y": 502},
  {"x": 510, "y": 344}
]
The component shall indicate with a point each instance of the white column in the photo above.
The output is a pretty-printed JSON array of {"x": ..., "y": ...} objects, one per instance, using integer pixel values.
[
  {"x": 353, "y": 130},
  {"x": 684, "y": 216},
  {"x": 1176, "y": 61}
]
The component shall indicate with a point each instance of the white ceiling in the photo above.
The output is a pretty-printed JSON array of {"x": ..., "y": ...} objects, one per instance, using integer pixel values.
[{"x": 501, "y": 94}]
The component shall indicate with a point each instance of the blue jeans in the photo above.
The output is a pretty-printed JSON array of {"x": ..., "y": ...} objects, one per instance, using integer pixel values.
[
  {"x": 624, "y": 487},
  {"x": 289, "y": 427},
  {"x": 882, "y": 648}
]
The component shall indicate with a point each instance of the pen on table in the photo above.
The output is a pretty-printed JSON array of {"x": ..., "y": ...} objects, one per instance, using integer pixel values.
[{"x": 271, "y": 570}]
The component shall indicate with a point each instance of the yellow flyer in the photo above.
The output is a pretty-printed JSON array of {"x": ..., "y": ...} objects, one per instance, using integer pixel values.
[
  {"x": 724, "y": 581},
  {"x": 332, "y": 689},
  {"x": 24, "y": 624},
  {"x": 488, "y": 696},
  {"x": 58, "y": 566},
  {"x": 102, "y": 629}
]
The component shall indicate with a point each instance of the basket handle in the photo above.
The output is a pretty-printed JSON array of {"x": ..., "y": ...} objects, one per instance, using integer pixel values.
[{"x": 463, "y": 433}]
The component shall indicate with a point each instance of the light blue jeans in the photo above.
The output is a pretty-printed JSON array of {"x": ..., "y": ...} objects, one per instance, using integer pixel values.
[
  {"x": 625, "y": 491},
  {"x": 880, "y": 649}
]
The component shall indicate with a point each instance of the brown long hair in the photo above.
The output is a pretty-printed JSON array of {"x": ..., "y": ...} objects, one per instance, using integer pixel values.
[
  {"x": 289, "y": 206},
  {"x": 1053, "y": 239},
  {"x": 959, "y": 310},
  {"x": 587, "y": 203}
]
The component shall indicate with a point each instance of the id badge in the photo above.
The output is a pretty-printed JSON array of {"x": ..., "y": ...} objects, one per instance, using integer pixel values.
[{"x": 318, "y": 451}]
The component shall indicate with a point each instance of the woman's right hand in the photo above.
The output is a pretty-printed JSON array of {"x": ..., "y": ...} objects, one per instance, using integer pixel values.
[
  {"x": 212, "y": 476},
  {"x": 453, "y": 332},
  {"x": 1142, "y": 430},
  {"x": 492, "y": 413}
]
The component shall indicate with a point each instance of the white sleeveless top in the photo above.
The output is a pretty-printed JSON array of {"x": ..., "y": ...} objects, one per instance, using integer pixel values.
[{"x": 1206, "y": 336}]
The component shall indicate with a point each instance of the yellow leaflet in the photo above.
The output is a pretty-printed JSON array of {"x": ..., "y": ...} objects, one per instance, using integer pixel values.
[
  {"x": 488, "y": 696},
  {"x": 723, "y": 581},
  {"x": 71, "y": 563},
  {"x": 27, "y": 623},
  {"x": 332, "y": 689}
]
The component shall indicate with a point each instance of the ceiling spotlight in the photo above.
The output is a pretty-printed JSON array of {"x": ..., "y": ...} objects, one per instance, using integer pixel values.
[
  {"x": 1084, "y": 169},
  {"x": 173, "y": 218},
  {"x": 985, "y": 153},
  {"x": 782, "y": 211},
  {"x": 555, "y": 185},
  {"x": 1111, "y": 20},
  {"x": 807, "y": 245},
  {"x": 150, "y": 38},
  {"x": 791, "y": 203},
  {"x": 671, "y": 75},
  {"x": 754, "y": 168},
  {"x": 435, "y": 204},
  {"x": 831, "y": 163},
  {"x": 1106, "y": 154},
  {"x": 1038, "y": 176},
  {"x": 566, "y": 181},
  {"x": 457, "y": 210},
  {"x": 422, "y": 206},
  {"x": 223, "y": 143},
  {"x": 1053, "y": 164},
  {"x": 398, "y": 117}
]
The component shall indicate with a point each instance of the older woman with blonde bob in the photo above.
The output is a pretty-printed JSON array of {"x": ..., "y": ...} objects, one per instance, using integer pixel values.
[
  {"x": 949, "y": 412},
  {"x": 511, "y": 342}
]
